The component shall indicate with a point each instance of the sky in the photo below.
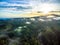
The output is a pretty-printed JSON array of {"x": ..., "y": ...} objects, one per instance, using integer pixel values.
[{"x": 13, "y": 8}]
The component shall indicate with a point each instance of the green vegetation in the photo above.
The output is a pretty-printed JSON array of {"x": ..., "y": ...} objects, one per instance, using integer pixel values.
[{"x": 33, "y": 33}]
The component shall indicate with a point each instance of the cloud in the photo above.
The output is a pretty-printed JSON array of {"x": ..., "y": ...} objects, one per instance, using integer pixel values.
[
  {"x": 12, "y": 4},
  {"x": 12, "y": 8},
  {"x": 16, "y": 1}
]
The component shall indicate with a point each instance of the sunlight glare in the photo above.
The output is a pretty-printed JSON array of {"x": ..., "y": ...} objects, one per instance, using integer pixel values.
[{"x": 46, "y": 8}]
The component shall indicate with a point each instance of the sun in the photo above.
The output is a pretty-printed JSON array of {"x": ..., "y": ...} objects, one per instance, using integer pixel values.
[
  {"x": 43, "y": 7},
  {"x": 46, "y": 8}
]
